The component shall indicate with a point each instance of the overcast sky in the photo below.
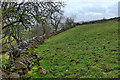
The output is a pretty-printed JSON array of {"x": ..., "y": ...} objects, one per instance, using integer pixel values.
[{"x": 84, "y": 10}]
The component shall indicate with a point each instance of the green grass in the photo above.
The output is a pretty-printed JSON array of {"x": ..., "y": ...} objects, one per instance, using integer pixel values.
[{"x": 86, "y": 51}]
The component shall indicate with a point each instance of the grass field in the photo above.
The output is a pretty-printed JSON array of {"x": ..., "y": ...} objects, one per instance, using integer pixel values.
[{"x": 86, "y": 51}]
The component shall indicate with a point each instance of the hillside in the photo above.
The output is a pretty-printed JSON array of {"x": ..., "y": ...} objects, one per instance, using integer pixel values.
[{"x": 86, "y": 51}]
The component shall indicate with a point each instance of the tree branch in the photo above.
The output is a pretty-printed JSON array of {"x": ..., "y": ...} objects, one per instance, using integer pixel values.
[{"x": 11, "y": 24}]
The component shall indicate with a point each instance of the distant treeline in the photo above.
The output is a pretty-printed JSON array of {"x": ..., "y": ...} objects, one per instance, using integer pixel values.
[{"x": 95, "y": 21}]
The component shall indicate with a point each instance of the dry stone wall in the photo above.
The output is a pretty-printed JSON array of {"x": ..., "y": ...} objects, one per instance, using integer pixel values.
[
  {"x": 20, "y": 61},
  {"x": 36, "y": 40}
]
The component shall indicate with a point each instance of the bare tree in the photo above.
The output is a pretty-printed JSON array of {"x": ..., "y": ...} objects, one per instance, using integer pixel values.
[
  {"x": 56, "y": 20},
  {"x": 69, "y": 22},
  {"x": 52, "y": 13}
]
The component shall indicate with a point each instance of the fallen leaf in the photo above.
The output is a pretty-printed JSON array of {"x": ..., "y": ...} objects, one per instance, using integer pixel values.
[{"x": 41, "y": 70}]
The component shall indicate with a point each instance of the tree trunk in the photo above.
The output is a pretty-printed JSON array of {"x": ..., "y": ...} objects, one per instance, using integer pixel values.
[
  {"x": 56, "y": 28},
  {"x": 43, "y": 29}
]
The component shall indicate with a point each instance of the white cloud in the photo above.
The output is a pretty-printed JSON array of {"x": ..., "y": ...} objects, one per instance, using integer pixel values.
[
  {"x": 91, "y": 10},
  {"x": 90, "y": 0}
]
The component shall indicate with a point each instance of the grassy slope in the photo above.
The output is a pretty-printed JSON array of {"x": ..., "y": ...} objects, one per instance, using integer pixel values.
[{"x": 86, "y": 51}]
